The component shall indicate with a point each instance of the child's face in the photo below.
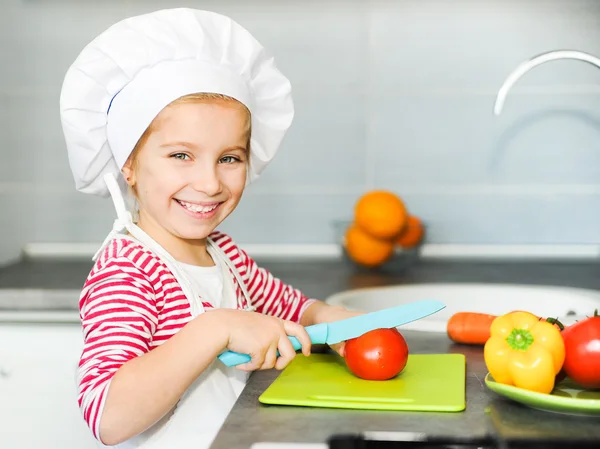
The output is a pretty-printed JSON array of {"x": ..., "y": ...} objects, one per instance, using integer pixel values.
[{"x": 190, "y": 173}]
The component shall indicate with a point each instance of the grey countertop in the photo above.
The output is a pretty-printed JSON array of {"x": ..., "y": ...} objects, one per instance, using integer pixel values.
[
  {"x": 251, "y": 422},
  {"x": 486, "y": 416},
  {"x": 322, "y": 278}
]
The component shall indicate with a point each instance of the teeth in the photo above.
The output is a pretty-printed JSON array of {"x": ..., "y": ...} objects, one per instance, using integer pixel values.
[{"x": 198, "y": 208}]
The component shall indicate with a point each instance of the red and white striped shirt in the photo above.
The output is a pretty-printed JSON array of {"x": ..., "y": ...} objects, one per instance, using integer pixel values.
[{"x": 132, "y": 303}]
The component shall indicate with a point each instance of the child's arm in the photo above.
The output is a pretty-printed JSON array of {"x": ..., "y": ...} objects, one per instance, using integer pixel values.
[
  {"x": 124, "y": 387},
  {"x": 145, "y": 388},
  {"x": 321, "y": 312}
]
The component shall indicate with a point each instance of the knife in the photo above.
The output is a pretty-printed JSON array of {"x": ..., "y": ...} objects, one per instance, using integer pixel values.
[{"x": 338, "y": 331}]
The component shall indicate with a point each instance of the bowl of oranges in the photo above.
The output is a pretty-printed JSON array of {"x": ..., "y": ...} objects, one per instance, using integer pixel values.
[{"x": 382, "y": 232}]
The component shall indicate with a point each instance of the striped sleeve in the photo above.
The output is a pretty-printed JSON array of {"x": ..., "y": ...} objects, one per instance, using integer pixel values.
[
  {"x": 270, "y": 295},
  {"x": 119, "y": 316}
]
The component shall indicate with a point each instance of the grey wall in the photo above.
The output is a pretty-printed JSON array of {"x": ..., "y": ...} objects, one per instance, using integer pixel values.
[{"x": 389, "y": 94}]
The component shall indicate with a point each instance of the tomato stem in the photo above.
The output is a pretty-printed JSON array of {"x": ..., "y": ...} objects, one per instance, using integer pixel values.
[{"x": 520, "y": 339}]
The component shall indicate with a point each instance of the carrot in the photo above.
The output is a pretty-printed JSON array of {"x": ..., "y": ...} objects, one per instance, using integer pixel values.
[{"x": 471, "y": 328}]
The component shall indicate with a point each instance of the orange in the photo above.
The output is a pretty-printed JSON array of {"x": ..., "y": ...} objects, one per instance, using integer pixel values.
[
  {"x": 381, "y": 213},
  {"x": 412, "y": 234},
  {"x": 365, "y": 249}
]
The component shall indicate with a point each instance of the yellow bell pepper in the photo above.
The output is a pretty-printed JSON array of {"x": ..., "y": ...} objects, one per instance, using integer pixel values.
[{"x": 524, "y": 351}]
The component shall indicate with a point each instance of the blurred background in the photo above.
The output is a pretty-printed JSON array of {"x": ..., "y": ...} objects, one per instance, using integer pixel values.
[{"x": 389, "y": 94}]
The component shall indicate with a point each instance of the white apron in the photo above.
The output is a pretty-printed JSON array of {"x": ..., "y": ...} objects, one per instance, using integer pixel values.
[{"x": 195, "y": 420}]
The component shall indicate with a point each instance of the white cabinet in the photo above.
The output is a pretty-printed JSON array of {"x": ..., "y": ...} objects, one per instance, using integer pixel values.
[{"x": 38, "y": 407}]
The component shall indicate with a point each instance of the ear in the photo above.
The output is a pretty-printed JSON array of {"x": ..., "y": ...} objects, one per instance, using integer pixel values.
[{"x": 128, "y": 173}]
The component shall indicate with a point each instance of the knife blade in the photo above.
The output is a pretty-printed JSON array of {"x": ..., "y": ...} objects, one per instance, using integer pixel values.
[{"x": 342, "y": 330}]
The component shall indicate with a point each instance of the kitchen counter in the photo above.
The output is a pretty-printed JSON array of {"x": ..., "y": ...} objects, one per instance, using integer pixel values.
[
  {"x": 487, "y": 417},
  {"x": 316, "y": 278},
  {"x": 53, "y": 285},
  {"x": 251, "y": 422}
]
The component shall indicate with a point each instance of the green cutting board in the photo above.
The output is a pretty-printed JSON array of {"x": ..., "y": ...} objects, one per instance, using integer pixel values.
[{"x": 429, "y": 382}]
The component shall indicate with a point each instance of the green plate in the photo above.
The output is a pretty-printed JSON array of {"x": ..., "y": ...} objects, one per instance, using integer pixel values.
[{"x": 566, "y": 397}]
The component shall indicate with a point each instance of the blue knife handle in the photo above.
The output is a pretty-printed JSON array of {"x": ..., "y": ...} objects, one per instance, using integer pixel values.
[{"x": 317, "y": 334}]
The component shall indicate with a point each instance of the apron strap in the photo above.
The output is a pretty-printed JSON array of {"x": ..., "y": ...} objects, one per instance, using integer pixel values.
[
  {"x": 218, "y": 252},
  {"x": 124, "y": 220}
]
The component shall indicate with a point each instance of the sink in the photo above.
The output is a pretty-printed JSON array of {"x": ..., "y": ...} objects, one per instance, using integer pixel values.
[{"x": 567, "y": 304}]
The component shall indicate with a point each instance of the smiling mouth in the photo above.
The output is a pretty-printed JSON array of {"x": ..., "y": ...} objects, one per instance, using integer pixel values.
[{"x": 198, "y": 208}]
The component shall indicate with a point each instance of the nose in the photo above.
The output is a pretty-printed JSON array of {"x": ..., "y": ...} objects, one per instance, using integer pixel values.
[{"x": 206, "y": 180}]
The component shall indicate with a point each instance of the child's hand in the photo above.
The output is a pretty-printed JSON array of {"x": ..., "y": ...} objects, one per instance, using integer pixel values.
[
  {"x": 321, "y": 312},
  {"x": 261, "y": 336},
  {"x": 341, "y": 315}
]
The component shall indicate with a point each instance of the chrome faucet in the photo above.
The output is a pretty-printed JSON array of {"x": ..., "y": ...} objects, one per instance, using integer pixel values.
[{"x": 524, "y": 67}]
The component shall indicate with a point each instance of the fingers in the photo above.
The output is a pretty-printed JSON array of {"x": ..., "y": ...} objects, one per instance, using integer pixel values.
[
  {"x": 257, "y": 360},
  {"x": 270, "y": 346},
  {"x": 298, "y": 331},
  {"x": 267, "y": 358},
  {"x": 339, "y": 348},
  {"x": 270, "y": 359},
  {"x": 286, "y": 353}
]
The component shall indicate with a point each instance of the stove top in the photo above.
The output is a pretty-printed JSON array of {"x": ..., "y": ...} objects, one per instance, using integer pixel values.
[{"x": 387, "y": 440}]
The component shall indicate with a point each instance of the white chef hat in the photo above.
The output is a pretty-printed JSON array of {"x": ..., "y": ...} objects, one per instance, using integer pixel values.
[{"x": 129, "y": 73}]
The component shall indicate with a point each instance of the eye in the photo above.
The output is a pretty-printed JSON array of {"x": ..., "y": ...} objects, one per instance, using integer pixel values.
[
  {"x": 229, "y": 160},
  {"x": 181, "y": 156}
]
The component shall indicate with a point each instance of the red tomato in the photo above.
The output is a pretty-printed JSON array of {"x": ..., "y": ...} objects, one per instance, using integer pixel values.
[
  {"x": 582, "y": 352},
  {"x": 380, "y": 354}
]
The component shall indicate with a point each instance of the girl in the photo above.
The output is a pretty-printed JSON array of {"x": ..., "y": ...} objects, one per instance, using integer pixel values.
[{"x": 181, "y": 108}]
